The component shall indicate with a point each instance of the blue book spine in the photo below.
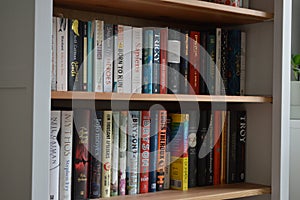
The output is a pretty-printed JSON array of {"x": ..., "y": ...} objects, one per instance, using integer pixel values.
[
  {"x": 153, "y": 151},
  {"x": 147, "y": 61},
  {"x": 156, "y": 62},
  {"x": 90, "y": 47}
]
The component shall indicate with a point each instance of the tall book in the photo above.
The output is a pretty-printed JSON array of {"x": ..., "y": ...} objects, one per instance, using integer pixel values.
[
  {"x": 108, "y": 58},
  {"x": 75, "y": 55},
  {"x": 161, "y": 149},
  {"x": 218, "y": 72},
  {"x": 174, "y": 46},
  {"x": 90, "y": 58},
  {"x": 53, "y": 52},
  {"x": 133, "y": 151},
  {"x": 126, "y": 85},
  {"x": 114, "y": 186},
  {"x": 217, "y": 147},
  {"x": 224, "y": 144},
  {"x": 210, "y": 62},
  {"x": 98, "y": 56},
  {"x": 144, "y": 155},
  {"x": 163, "y": 60},
  {"x": 232, "y": 142},
  {"x": 243, "y": 64},
  {"x": 95, "y": 154},
  {"x": 153, "y": 150},
  {"x": 147, "y": 61},
  {"x": 203, "y": 63},
  {"x": 184, "y": 62},
  {"x": 179, "y": 152},
  {"x": 194, "y": 58},
  {"x": 241, "y": 146},
  {"x": 62, "y": 54},
  {"x": 66, "y": 149},
  {"x": 122, "y": 151},
  {"x": 210, "y": 153},
  {"x": 136, "y": 71},
  {"x": 85, "y": 57},
  {"x": 54, "y": 155},
  {"x": 156, "y": 61},
  {"x": 106, "y": 153},
  {"x": 224, "y": 61}
]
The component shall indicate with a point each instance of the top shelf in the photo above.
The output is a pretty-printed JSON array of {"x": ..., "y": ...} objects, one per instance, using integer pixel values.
[{"x": 189, "y": 11}]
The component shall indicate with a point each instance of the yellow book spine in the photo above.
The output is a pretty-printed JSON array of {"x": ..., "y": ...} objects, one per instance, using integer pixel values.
[{"x": 179, "y": 173}]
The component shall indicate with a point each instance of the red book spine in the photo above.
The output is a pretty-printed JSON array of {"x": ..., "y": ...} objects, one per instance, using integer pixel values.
[
  {"x": 194, "y": 58},
  {"x": 144, "y": 157},
  {"x": 161, "y": 149},
  {"x": 217, "y": 148},
  {"x": 163, "y": 60}
]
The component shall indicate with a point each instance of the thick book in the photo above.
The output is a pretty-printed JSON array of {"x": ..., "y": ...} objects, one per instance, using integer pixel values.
[
  {"x": 174, "y": 45},
  {"x": 106, "y": 153},
  {"x": 114, "y": 184},
  {"x": 156, "y": 61},
  {"x": 122, "y": 151},
  {"x": 217, "y": 147},
  {"x": 232, "y": 142},
  {"x": 144, "y": 155},
  {"x": 184, "y": 62},
  {"x": 153, "y": 150},
  {"x": 136, "y": 71},
  {"x": 62, "y": 54},
  {"x": 179, "y": 151},
  {"x": 95, "y": 154},
  {"x": 81, "y": 153},
  {"x": 66, "y": 151},
  {"x": 147, "y": 60},
  {"x": 98, "y": 56},
  {"x": 194, "y": 60},
  {"x": 241, "y": 146},
  {"x": 53, "y": 53},
  {"x": 108, "y": 58},
  {"x": 163, "y": 60},
  {"x": 133, "y": 151},
  {"x": 161, "y": 149},
  {"x": 54, "y": 154},
  {"x": 75, "y": 55},
  {"x": 90, "y": 56},
  {"x": 127, "y": 49}
]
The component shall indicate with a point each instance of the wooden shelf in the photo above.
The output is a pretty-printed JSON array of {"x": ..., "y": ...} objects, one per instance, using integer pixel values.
[
  {"x": 190, "y": 11},
  {"x": 102, "y": 96},
  {"x": 219, "y": 192}
]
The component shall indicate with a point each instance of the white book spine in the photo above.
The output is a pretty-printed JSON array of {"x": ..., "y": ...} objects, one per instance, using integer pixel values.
[
  {"x": 243, "y": 64},
  {"x": 66, "y": 154},
  {"x": 119, "y": 66},
  {"x": 122, "y": 152},
  {"x": 137, "y": 39},
  {"x": 54, "y": 155},
  {"x": 98, "y": 56},
  {"x": 108, "y": 57},
  {"x": 106, "y": 153},
  {"x": 218, "y": 76},
  {"x": 127, "y": 59},
  {"x": 54, "y": 68},
  {"x": 115, "y": 155},
  {"x": 62, "y": 54},
  {"x": 133, "y": 151}
]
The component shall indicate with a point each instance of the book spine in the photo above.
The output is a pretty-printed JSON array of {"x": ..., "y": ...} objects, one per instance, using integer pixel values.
[
  {"x": 133, "y": 151},
  {"x": 106, "y": 153},
  {"x": 145, "y": 147},
  {"x": 184, "y": 63},
  {"x": 168, "y": 154},
  {"x": 153, "y": 150},
  {"x": 95, "y": 155},
  {"x": 62, "y": 54},
  {"x": 243, "y": 64},
  {"x": 90, "y": 38},
  {"x": 245, "y": 3},
  {"x": 217, "y": 148},
  {"x": 54, "y": 155},
  {"x": 127, "y": 59},
  {"x": 115, "y": 154},
  {"x": 210, "y": 156},
  {"x": 116, "y": 57},
  {"x": 98, "y": 56},
  {"x": 231, "y": 170},
  {"x": 203, "y": 63},
  {"x": 147, "y": 61},
  {"x": 224, "y": 61},
  {"x": 161, "y": 149},
  {"x": 85, "y": 57},
  {"x": 210, "y": 64},
  {"x": 66, "y": 155},
  {"x": 224, "y": 144},
  {"x": 163, "y": 60},
  {"x": 137, "y": 45},
  {"x": 174, "y": 46},
  {"x": 122, "y": 152},
  {"x": 218, "y": 72},
  {"x": 108, "y": 58},
  {"x": 81, "y": 153},
  {"x": 119, "y": 66},
  {"x": 156, "y": 61},
  {"x": 241, "y": 146},
  {"x": 75, "y": 55},
  {"x": 194, "y": 58},
  {"x": 53, "y": 52}
]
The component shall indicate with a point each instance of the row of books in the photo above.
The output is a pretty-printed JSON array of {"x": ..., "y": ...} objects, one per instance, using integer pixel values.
[
  {"x": 100, "y": 57},
  {"x": 107, "y": 153},
  {"x": 235, "y": 3}
]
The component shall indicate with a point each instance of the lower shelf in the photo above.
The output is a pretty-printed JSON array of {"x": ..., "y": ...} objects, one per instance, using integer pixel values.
[{"x": 219, "y": 192}]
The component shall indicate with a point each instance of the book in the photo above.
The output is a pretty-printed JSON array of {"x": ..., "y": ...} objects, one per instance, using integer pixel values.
[
  {"x": 218, "y": 72},
  {"x": 194, "y": 60},
  {"x": 114, "y": 185},
  {"x": 127, "y": 48},
  {"x": 210, "y": 62},
  {"x": 184, "y": 62},
  {"x": 90, "y": 58},
  {"x": 234, "y": 3},
  {"x": 163, "y": 60},
  {"x": 148, "y": 36},
  {"x": 75, "y": 55},
  {"x": 85, "y": 57},
  {"x": 54, "y": 154},
  {"x": 217, "y": 138},
  {"x": 243, "y": 64},
  {"x": 144, "y": 155},
  {"x": 210, "y": 154},
  {"x": 81, "y": 153},
  {"x": 53, "y": 53},
  {"x": 168, "y": 154},
  {"x": 122, "y": 151},
  {"x": 133, "y": 151},
  {"x": 224, "y": 61},
  {"x": 156, "y": 61},
  {"x": 137, "y": 46},
  {"x": 98, "y": 56},
  {"x": 179, "y": 151},
  {"x": 241, "y": 146},
  {"x": 66, "y": 151},
  {"x": 224, "y": 144},
  {"x": 106, "y": 153},
  {"x": 161, "y": 149},
  {"x": 153, "y": 150},
  {"x": 174, "y": 46},
  {"x": 203, "y": 63},
  {"x": 108, "y": 58},
  {"x": 232, "y": 144},
  {"x": 62, "y": 54},
  {"x": 95, "y": 154}
]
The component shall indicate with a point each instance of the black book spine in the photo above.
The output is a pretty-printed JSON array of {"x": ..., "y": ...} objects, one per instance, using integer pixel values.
[
  {"x": 75, "y": 55},
  {"x": 95, "y": 155},
  {"x": 210, "y": 155},
  {"x": 231, "y": 175},
  {"x": 241, "y": 146},
  {"x": 224, "y": 61},
  {"x": 203, "y": 63},
  {"x": 174, "y": 46},
  {"x": 184, "y": 63},
  {"x": 156, "y": 62}
]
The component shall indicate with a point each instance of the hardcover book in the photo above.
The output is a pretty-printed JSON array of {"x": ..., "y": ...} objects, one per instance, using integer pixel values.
[
  {"x": 194, "y": 58},
  {"x": 153, "y": 150},
  {"x": 161, "y": 149},
  {"x": 184, "y": 62},
  {"x": 241, "y": 146}
]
